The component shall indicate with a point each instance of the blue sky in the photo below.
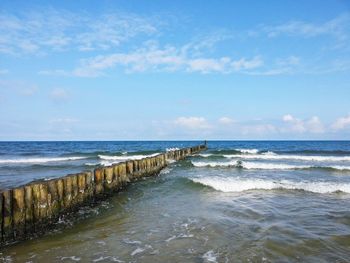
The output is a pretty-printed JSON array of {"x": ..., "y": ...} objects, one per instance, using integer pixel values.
[{"x": 155, "y": 70}]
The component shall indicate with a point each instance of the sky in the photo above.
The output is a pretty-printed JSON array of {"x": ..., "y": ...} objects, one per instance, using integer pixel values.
[{"x": 175, "y": 70}]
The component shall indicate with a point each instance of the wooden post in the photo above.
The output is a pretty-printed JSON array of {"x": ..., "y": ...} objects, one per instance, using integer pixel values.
[
  {"x": 29, "y": 209},
  {"x": 99, "y": 181},
  {"x": 18, "y": 212},
  {"x": 7, "y": 215}
]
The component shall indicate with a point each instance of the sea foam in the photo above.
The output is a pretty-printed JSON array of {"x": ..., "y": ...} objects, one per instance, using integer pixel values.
[
  {"x": 265, "y": 166},
  {"x": 240, "y": 185},
  {"x": 273, "y": 156},
  {"x": 125, "y": 157},
  {"x": 40, "y": 160},
  {"x": 250, "y": 151}
]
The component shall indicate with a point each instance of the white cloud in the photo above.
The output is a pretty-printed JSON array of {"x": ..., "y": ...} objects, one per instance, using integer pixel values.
[
  {"x": 243, "y": 63},
  {"x": 341, "y": 123},
  {"x": 55, "y": 30},
  {"x": 153, "y": 58},
  {"x": 296, "y": 125},
  {"x": 226, "y": 121},
  {"x": 334, "y": 26},
  {"x": 312, "y": 125},
  {"x": 192, "y": 123},
  {"x": 288, "y": 118}
]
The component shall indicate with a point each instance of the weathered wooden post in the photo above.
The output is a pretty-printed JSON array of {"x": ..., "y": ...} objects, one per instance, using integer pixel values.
[
  {"x": 7, "y": 224},
  {"x": 18, "y": 212}
]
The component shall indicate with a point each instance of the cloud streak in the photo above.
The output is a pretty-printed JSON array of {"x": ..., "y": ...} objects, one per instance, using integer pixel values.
[
  {"x": 151, "y": 57},
  {"x": 58, "y": 30},
  {"x": 336, "y": 27}
]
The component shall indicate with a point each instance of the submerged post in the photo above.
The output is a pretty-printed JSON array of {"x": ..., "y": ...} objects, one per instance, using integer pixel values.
[{"x": 34, "y": 207}]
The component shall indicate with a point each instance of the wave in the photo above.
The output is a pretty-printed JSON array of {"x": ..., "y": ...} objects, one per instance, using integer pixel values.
[
  {"x": 125, "y": 157},
  {"x": 172, "y": 149},
  {"x": 274, "y": 156},
  {"x": 103, "y": 163},
  {"x": 240, "y": 185},
  {"x": 329, "y": 152},
  {"x": 41, "y": 160},
  {"x": 266, "y": 166},
  {"x": 250, "y": 151},
  {"x": 205, "y": 155}
]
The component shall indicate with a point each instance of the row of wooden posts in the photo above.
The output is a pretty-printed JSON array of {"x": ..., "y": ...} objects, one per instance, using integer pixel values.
[{"x": 30, "y": 209}]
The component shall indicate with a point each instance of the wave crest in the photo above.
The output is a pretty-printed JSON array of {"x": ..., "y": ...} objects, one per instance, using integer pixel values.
[
  {"x": 240, "y": 185},
  {"x": 249, "y": 151},
  {"x": 125, "y": 157},
  {"x": 265, "y": 166},
  {"x": 41, "y": 160},
  {"x": 273, "y": 156}
]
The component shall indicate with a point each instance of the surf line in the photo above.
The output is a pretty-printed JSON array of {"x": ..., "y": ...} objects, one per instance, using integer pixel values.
[{"x": 30, "y": 210}]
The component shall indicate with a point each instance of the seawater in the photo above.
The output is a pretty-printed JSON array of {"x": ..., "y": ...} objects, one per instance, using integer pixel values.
[{"x": 245, "y": 201}]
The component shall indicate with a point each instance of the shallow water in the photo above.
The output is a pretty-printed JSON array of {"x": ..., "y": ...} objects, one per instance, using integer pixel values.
[{"x": 214, "y": 213}]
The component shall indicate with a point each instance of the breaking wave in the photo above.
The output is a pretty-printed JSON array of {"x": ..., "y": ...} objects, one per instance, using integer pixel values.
[
  {"x": 265, "y": 166},
  {"x": 240, "y": 185},
  {"x": 40, "y": 160},
  {"x": 125, "y": 157},
  {"x": 250, "y": 151},
  {"x": 274, "y": 156}
]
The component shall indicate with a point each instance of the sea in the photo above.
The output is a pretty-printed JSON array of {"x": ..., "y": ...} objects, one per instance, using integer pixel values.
[{"x": 238, "y": 201}]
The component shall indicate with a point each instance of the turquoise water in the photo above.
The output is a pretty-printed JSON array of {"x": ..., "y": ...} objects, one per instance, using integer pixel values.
[{"x": 236, "y": 202}]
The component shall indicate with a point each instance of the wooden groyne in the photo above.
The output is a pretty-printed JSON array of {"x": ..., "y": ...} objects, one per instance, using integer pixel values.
[{"x": 30, "y": 209}]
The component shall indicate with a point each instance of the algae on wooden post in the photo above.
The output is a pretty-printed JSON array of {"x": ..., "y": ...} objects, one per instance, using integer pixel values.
[
  {"x": 130, "y": 169},
  {"x": 53, "y": 199},
  {"x": 122, "y": 173},
  {"x": 18, "y": 213},
  {"x": 43, "y": 204},
  {"x": 75, "y": 190},
  {"x": 89, "y": 179},
  {"x": 7, "y": 214},
  {"x": 67, "y": 193},
  {"x": 98, "y": 178},
  {"x": 1, "y": 215},
  {"x": 81, "y": 187},
  {"x": 60, "y": 193},
  {"x": 29, "y": 209}
]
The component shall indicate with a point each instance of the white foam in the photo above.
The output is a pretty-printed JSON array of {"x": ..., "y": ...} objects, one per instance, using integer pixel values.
[
  {"x": 272, "y": 166},
  {"x": 137, "y": 251},
  {"x": 265, "y": 166},
  {"x": 209, "y": 256},
  {"x": 240, "y": 185},
  {"x": 273, "y": 156},
  {"x": 73, "y": 258},
  {"x": 205, "y": 155},
  {"x": 166, "y": 171},
  {"x": 172, "y": 149},
  {"x": 250, "y": 151},
  {"x": 103, "y": 163},
  {"x": 125, "y": 157},
  {"x": 41, "y": 160},
  {"x": 131, "y": 242},
  {"x": 214, "y": 164}
]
